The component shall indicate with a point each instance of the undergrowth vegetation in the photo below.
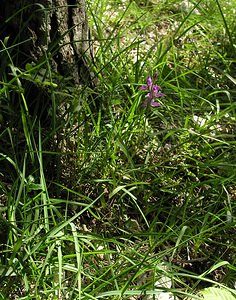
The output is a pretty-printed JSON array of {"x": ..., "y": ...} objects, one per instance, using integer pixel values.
[{"x": 103, "y": 197}]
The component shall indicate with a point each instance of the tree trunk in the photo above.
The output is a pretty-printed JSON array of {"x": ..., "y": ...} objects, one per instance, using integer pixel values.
[
  {"x": 56, "y": 29},
  {"x": 41, "y": 31}
]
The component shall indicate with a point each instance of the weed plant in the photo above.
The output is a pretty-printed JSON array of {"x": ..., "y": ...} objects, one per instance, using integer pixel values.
[{"x": 112, "y": 199}]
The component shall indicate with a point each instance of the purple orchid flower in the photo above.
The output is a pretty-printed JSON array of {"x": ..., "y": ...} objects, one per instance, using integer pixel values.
[{"x": 153, "y": 93}]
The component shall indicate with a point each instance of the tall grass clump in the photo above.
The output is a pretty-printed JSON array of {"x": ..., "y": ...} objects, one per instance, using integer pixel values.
[{"x": 115, "y": 195}]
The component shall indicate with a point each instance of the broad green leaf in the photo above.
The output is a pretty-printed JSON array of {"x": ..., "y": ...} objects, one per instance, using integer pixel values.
[{"x": 214, "y": 293}]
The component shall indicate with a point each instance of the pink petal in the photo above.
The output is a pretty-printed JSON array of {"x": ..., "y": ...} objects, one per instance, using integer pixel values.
[
  {"x": 149, "y": 81},
  {"x": 157, "y": 95},
  {"x": 143, "y": 87},
  {"x": 155, "y": 76},
  {"x": 155, "y": 104},
  {"x": 156, "y": 88}
]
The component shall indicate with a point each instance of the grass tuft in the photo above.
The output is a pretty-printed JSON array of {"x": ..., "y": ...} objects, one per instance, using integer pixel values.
[{"x": 101, "y": 197}]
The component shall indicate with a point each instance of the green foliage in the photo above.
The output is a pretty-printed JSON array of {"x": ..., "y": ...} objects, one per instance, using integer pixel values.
[
  {"x": 101, "y": 197},
  {"x": 216, "y": 293}
]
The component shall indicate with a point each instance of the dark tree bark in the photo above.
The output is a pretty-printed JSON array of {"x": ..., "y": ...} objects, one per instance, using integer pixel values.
[
  {"x": 56, "y": 28},
  {"x": 40, "y": 31}
]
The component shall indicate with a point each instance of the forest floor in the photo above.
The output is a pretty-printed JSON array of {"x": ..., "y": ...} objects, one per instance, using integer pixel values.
[{"x": 133, "y": 196}]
